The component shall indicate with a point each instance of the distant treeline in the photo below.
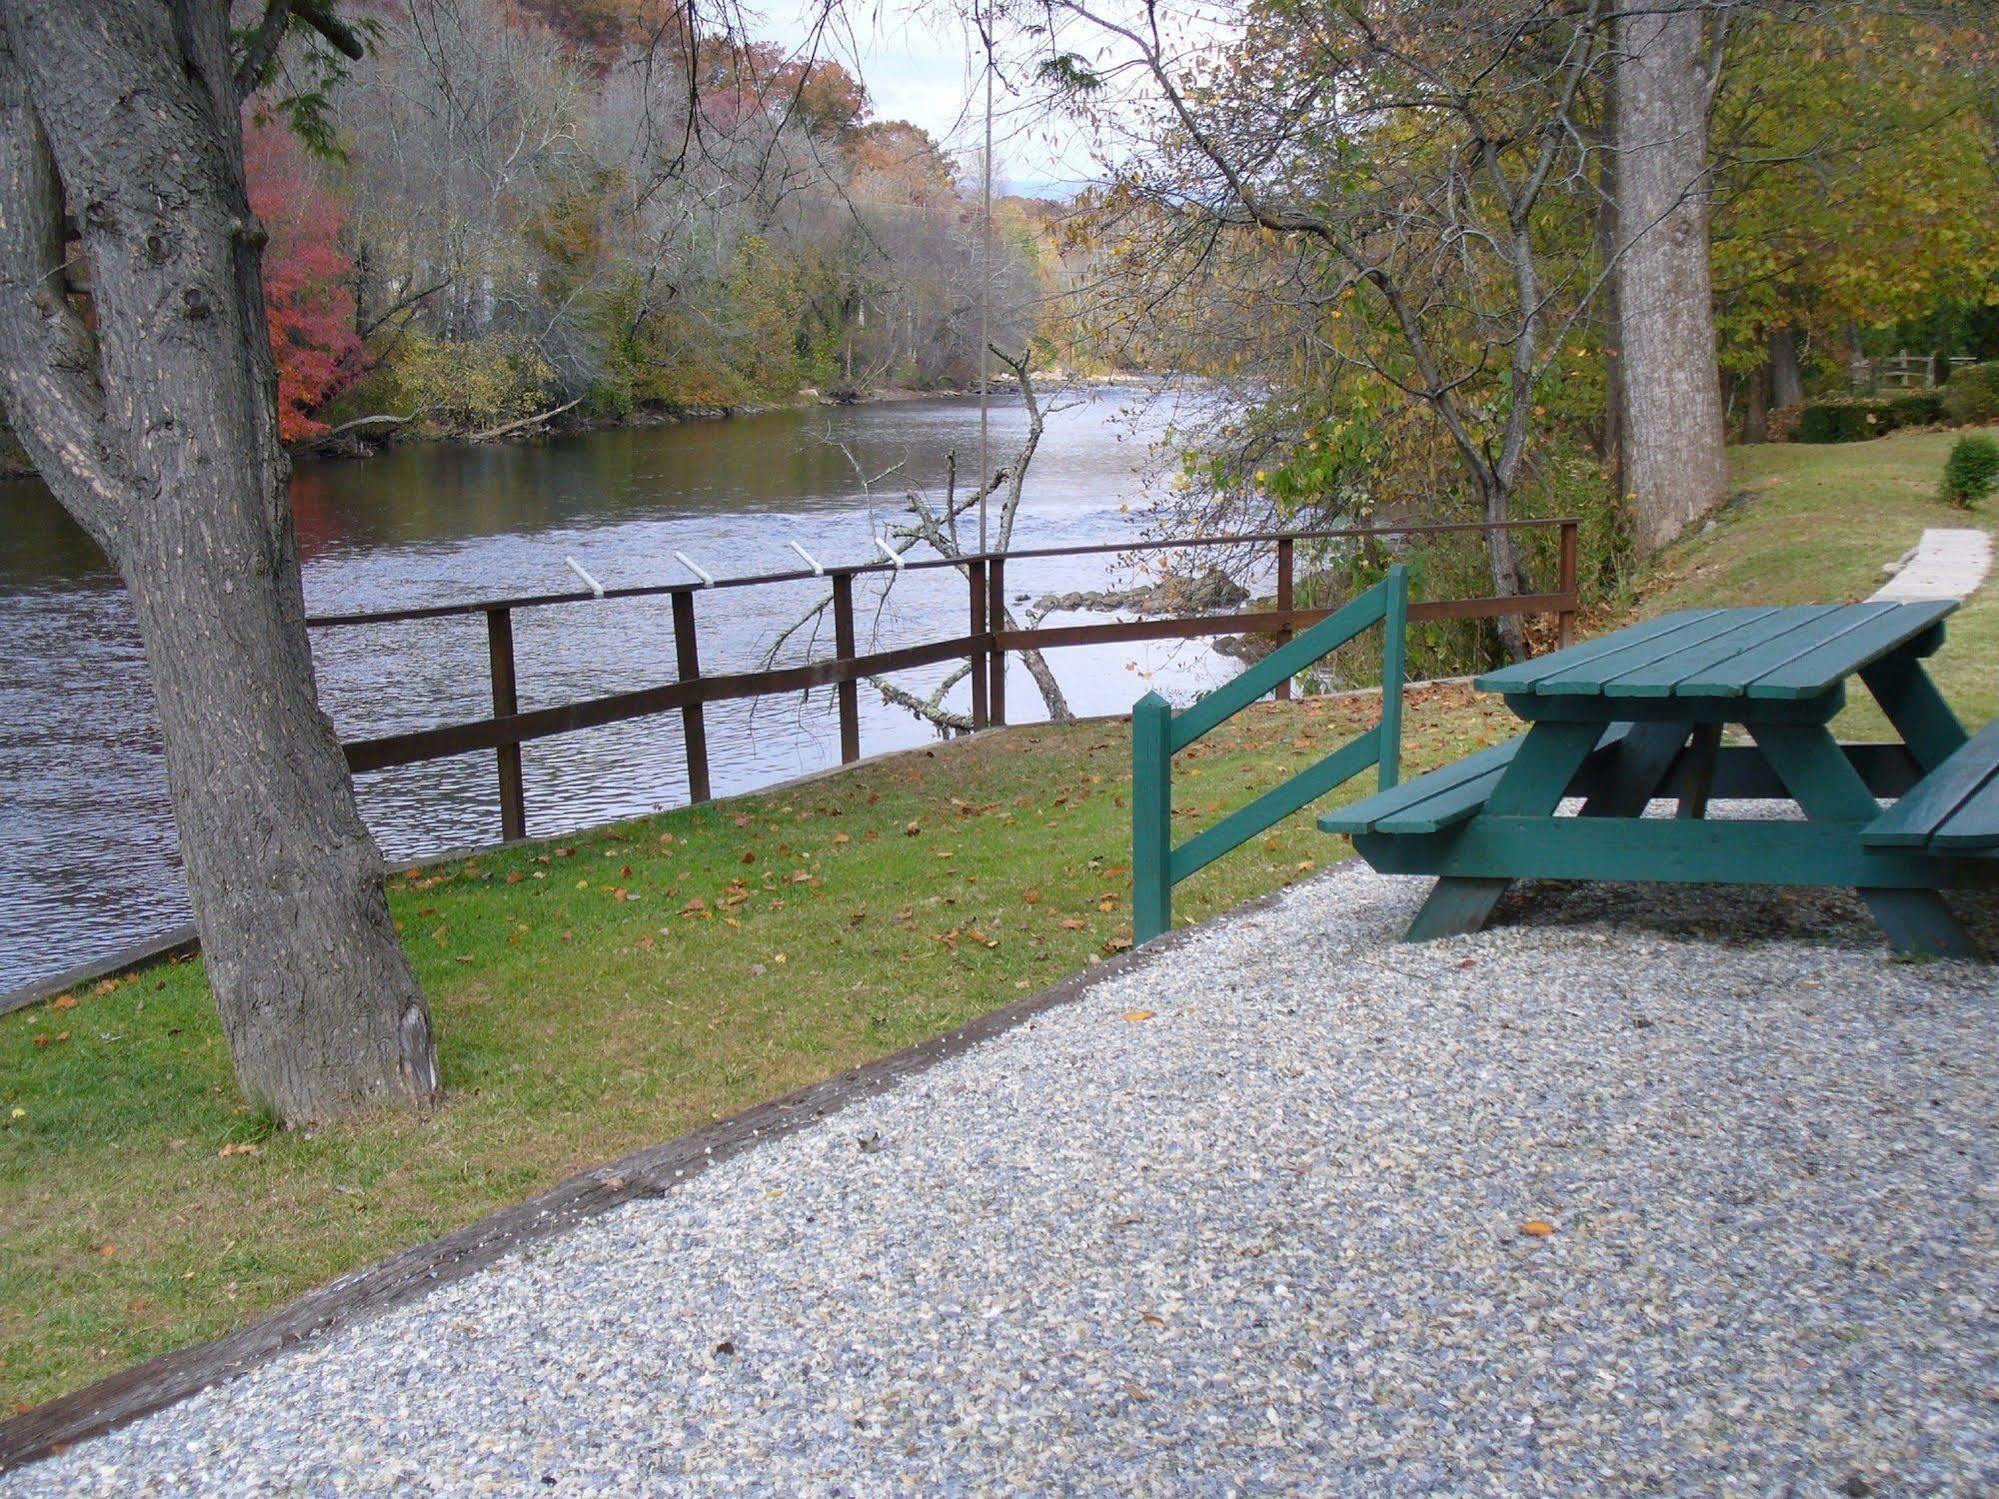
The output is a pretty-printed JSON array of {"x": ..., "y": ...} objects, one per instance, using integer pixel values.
[{"x": 508, "y": 206}]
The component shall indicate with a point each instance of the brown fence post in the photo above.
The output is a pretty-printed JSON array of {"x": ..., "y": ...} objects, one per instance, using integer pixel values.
[
  {"x": 506, "y": 703},
  {"x": 694, "y": 728},
  {"x": 1285, "y": 561},
  {"x": 847, "y": 691},
  {"x": 975, "y": 572},
  {"x": 1565, "y": 621},
  {"x": 996, "y": 661}
]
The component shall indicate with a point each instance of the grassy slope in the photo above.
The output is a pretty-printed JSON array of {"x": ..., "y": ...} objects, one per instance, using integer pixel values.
[
  {"x": 576, "y": 1024},
  {"x": 1817, "y": 527},
  {"x": 592, "y": 997}
]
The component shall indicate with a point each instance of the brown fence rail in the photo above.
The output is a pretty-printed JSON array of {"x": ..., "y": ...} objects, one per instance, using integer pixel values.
[{"x": 985, "y": 643}]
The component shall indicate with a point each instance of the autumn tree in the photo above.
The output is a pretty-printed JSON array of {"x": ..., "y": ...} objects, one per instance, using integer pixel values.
[
  {"x": 308, "y": 287},
  {"x": 1419, "y": 164}
]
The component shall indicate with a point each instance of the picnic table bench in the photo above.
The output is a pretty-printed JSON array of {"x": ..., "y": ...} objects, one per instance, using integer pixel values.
[{"x": 1637, "y": 716}]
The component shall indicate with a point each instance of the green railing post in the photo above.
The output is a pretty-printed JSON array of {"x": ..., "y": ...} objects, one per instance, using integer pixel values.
[
  {"x": 1151, "y": 817},
  {"x": 1394, "y": 665},
  {"x": 1156, "y": 865}
]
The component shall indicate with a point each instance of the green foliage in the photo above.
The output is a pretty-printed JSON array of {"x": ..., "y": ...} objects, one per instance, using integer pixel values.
[
  {"x": 1972, "y": 471},
  {"x": 1918, "y": 408},
  {"x": 1972, "y": 396},
  {"x": 1845, "y": 421}
]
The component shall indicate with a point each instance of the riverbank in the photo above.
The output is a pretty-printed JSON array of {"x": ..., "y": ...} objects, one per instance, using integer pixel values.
[
  {"x": 592, "y": 996},
  {"x": 598, "y": 994},
  {"x": 368, "y": 435}
]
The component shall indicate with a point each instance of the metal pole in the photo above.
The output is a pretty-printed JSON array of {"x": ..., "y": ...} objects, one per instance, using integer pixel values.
[{"x": 985, "y": 285}]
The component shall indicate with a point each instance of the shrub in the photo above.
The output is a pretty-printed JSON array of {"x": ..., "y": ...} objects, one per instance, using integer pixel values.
[
  {"x": 468, "y": 384},
  {"x": 1971, "y": 472},
  {"x": 1845, "y": 421},
  {"x": 1918, "y": 408},
  {"x": 1972, "y": 397}
]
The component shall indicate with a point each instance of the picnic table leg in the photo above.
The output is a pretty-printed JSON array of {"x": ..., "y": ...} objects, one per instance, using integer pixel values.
[
  {"x": 1640, "y": 764},
  {"x": 1809, "y": 762},
  {"x": 1698, "y": 784},
  {"x": 1532, "y": 786},
  {"x": 1917, "y": 710}
]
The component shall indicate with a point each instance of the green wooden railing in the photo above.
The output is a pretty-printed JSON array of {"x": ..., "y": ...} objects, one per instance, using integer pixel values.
[{"x": 1157, "y": 734}]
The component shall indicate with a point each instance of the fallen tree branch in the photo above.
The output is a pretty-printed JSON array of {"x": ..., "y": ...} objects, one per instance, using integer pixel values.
[{"x": 526, "y": 421}]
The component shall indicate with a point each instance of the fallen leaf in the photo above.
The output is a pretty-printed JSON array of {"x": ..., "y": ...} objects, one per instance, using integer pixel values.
[
  {"x": 1031, "y": 897},
  {"x": 1537, "y": 1228},
  {"x": 107, "y": 1250},
  {"x": 240, "y": 1148},
  {"x": 1073, "y": 923},
  {"x": 1136, "y": 1015},
  {"x": 63, "y": 1002},
  {"x": 913, "y": 829}
]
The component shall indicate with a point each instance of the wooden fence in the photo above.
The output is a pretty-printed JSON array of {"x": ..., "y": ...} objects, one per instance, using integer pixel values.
[{"x": 985, "y": 644}]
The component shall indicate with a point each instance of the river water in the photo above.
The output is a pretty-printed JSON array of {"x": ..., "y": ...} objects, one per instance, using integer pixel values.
[{"x": 88, "y": 856}]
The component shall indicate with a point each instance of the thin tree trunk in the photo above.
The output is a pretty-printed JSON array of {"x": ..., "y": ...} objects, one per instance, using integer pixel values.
[
  {"x": 156, "y": 426},
  {"x": 1504, "y": 557},
  {"x": 1756, "y": 406},
  {"x": 1787, "y": 376},
  {"x": 1675, "y": 466},
  {"x": 1612, "y": 451}
]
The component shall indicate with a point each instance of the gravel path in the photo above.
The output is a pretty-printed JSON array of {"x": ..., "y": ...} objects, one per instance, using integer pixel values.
[{"x": 1266, "y": 1239}]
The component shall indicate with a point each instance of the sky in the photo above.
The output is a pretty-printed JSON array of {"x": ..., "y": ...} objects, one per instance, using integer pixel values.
[{"x": 919, "y": 63}]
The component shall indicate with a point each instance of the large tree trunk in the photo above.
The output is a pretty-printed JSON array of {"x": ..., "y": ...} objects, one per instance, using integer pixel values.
[
  {"x": 156, "y": 427},
  {"x": 1675, "y": 467}
]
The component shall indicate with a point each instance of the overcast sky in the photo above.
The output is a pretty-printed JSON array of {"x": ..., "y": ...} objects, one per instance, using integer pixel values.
[{"x": 919, "y": 64}]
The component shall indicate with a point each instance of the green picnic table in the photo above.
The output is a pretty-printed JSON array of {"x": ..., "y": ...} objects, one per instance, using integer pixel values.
[{"x": 1637, "y": 716}]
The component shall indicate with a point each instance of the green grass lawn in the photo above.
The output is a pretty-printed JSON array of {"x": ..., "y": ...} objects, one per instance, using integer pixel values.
[
  {"x": 1816, "y": 525},
  {"x": 595, "y": 995},
  {"x": 602, "y": 993}
]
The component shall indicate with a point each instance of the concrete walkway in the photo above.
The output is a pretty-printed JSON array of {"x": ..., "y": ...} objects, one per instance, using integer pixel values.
[
  {"x": 1643, "y": 1191},
  {"x": 1945, "y": 564}
]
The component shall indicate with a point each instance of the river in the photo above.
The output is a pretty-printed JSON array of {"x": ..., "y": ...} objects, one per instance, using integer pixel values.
[{"x": 90, "y": 858}]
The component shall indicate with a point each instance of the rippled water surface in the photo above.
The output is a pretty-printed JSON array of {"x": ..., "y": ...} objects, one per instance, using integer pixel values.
[{"x": 90, "y": 859}]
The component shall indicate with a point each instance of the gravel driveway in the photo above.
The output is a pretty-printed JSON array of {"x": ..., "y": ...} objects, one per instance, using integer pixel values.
[{"x": 1250, "y": 1219}]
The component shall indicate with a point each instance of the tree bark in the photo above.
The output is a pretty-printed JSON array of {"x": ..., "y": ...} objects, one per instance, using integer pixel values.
[
  {"x": 1675, "y": 466},
  {"x": 1787, "y": 376},
  {"x": 156, "y": 426},
  {"x": 1756, "y": 405}
]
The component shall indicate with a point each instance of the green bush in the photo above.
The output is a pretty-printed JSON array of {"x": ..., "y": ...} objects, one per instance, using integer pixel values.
[
  {"x": 1845, "y": 421},
  {"x": 1972, "y": 397},
  {"x": 1917, "y": 408},
  {"x": 1971, "y": 472}
]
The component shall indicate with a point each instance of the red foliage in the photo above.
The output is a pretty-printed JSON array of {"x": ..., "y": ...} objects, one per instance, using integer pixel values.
[{"x": 308, "y": 294}]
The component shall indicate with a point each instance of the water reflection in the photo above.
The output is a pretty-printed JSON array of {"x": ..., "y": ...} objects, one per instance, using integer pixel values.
[{"x": 93, "y": 862}]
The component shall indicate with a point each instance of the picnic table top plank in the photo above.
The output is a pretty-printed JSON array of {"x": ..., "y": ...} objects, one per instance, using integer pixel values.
[
  {"x": 1522, "y": 675},
  {"x": 1813, "y": 672},
  {"x": 1641, "y": 659},
  {"x": 1762, "y": 627},
  {"x": 1789, "y": 653}
]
